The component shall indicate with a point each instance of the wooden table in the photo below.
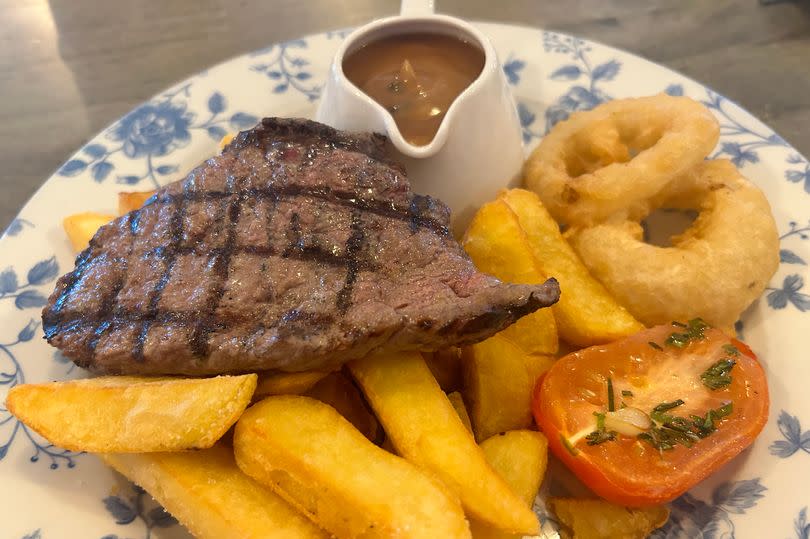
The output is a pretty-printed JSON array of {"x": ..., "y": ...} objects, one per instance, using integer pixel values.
[{"x": 68, "y": 68}]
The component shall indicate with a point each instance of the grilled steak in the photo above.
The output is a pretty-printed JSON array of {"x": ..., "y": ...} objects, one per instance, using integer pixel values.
[{"x": 299, "y": 247}]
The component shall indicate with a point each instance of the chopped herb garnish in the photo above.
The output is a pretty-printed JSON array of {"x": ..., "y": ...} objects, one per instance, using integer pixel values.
[
  {"x": 611, "y": 398},
  {"x": 679, "y": 324},
  {"x": 731, "y": 350},
  {"x": 656, "y": 346},
  {"x": 600, "y": 435},
  {"x": 704, "y": 426},
  {"x": 718, "y": 375},
  {"x": 567, "y": 445},
  {"x": 627, "y": 393},
  {"x": 668, "y": 431},
  {"x": 694, "y": 332},
  {"x": 659, "y": 410}
]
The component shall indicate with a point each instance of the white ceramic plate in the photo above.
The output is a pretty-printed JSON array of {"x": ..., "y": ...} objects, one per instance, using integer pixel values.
[{"x": 50, "y": 493}]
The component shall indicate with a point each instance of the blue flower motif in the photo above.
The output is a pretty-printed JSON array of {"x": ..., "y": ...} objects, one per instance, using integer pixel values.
[
  {"x": 795, "y": 439},
  {"x": 126, "y": 510},
  {"x": 738, "y": 155},
  {"x": 778, "y": 298},
  {"x": 154, "y": 129},
  {"x": 692, "y": 517}
]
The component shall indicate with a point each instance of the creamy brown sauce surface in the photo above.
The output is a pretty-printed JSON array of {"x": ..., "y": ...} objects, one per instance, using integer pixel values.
[{"x": 416, "y": 77}]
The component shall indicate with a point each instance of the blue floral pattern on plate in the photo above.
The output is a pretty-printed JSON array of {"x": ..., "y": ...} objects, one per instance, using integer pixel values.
[
  {"x": 552, "y": 75},
  {"x": 154, "y": 130}
]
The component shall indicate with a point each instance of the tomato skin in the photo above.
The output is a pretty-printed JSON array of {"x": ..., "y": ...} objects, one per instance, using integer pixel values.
[{"x": 628, "y": 471}]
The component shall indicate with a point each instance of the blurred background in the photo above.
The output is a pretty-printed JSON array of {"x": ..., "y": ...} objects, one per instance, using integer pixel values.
[{"x": 68, "y": 68}]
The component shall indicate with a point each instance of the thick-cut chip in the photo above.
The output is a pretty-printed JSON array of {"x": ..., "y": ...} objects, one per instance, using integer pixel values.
[
  {"x": 129, "y": 414},
  {"x": 315, "y": 459},
  {"x": 286, "y": 383},
  {"x": 457, "y": 401},
  {"x": 81, "y": 227},
  {"x": 520, "y": 457},
  {"x": 537, "y": 365},
  {"x": 132, "y": 200},
  {"x": 445, "y": 365},
  {"x": 425, "y": 429},
  {"x": 497, "y": 386},
  {"x": 586, "y": 314},
  {"x": 598, "y": 519},
  {"x": 498, "y": 246},
  {"x": 340, "y": 392},
  {"x": 210, "y": 495}
]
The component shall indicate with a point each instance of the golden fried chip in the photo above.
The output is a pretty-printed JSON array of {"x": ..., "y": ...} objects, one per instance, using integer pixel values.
[
  {"x": 132, "y": 200},
  {"x": 210, "y": 496},
  {"x": 286, "y": 383},
  {"x": 598, "y": 519},
  {"x": 498, "y": 246},
  {"x": 457, "y": 401},
  {"x": 315, "y": 459},
  {"x": 586, "y": 314},
  {"x": 81, "y": 227},
  {"x": 497, "y": 386},
  {"x": 426, "y": 430},
  {"x": 520, "y": 457},
  {"x": 340, "y": 392},
  {"x": 129, "y": 414}
]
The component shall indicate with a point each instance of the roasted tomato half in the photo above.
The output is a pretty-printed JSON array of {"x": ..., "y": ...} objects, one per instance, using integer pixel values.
[{"x": 642, "y": 420}]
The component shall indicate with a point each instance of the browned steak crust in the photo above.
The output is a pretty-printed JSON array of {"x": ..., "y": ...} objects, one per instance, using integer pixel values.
[{"x": 299, "y": 247}]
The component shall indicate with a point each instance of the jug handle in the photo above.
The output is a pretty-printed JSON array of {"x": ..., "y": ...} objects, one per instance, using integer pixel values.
[{"x": 417, "y": 8}]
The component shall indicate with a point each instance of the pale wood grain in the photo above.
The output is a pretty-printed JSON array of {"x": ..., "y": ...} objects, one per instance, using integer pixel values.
[{"x": 70, "y": 67}]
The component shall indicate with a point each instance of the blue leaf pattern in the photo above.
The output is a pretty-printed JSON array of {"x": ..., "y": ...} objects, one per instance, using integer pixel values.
[
  {"x": 101, "y": 170},
  {"x": 36, "y": 534},
  {"x": 789, "y": 257},
  {"x": 512, "y": 69},
  {"x": 795, "y": 439},
  {"x": 95, "y": 151},
  {"x": 73, "y": 167},
  {"x": 778, "y": 298},
  {"x": 674, "y": 90},
  {"x": 567, "y": 72},
  {"x": 216, "y": 103},
  {"x": 606, "y": 71},
  {"x": 123, "y": 512},
  {"x": 163, "y": 170},
  {"x": 29, "y": 299},
  {"x": 27, "y": 333},
  {"x": 739, "y": 496},
  {"x": 216, "y": 132},
  {"x": 8, "y": 281},
  {"x": 43, "y": 271},
  {"x": 240, "y": 120}
]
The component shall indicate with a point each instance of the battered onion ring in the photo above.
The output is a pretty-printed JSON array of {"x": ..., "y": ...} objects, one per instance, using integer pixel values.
[
  {"x": 614, "y": 158},
  {"x": 714, "y": 270}
]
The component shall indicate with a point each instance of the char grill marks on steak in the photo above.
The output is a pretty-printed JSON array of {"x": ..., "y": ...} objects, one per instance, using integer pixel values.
[{"x": 299, "y": 247}]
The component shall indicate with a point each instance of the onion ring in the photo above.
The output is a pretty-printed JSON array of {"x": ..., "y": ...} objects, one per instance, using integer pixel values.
[
  {"x": 614, "y": 158},
  {"x": 714, "y": 270}
]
